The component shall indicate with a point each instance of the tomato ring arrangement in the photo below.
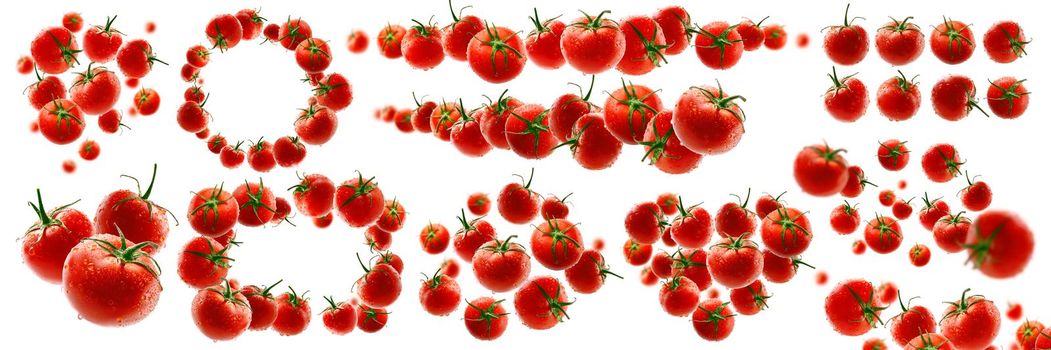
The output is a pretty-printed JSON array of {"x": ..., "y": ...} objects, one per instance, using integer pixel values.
[
  {"x": 62, "y": 114},
  {"x": 315, "y": 125}
]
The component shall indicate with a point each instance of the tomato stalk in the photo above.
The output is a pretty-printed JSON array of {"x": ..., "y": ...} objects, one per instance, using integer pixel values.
[
  {"x": 789, "y": 223},
  {"x": 47, "y": 219},
  {"x": 229, "y": 295},
  {"x": 593, "y": 23},
  {"x": 488, "y": 314},
  {"x": 558, "y": 236},
  {"x": 498, "y": 45},
  {"x": 130, "y": 255},
  {"x": 653, "y": 50},
  {"x": 63, "y": 115},
  {"x": 211, "y": 204},
  {"x": 145, "y": 196},
  {"x": 869, "y": 311},
  {"x": 534, "y": 127},
  {"x": 723, "y": 102},
  {"x": 1010, "y": 94},
  {"x": 635, "y": 104},
  {"x": 557, "y": 307},
  {"x": 217, "y": 258},
  {"x": 69, "y": 55},
  {"x": 538, "y": 26},
  {"x": 955, "y": 36},
  {"x": 715, "y": 316},
  {"x": 364, "y": 187},
  {"x": 720, "y": 41}
]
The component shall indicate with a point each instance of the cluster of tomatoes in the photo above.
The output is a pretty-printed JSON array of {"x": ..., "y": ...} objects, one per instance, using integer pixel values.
[
  {"x": 95, "y": 91},
  {"x": 705, "y": 121},
  {"x": 315, "y": 125},
  {"x": 591, "y": 44},
  {"x": 900, "y": 42}
]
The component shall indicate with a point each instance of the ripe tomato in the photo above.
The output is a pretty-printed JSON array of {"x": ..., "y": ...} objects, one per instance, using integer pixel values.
[
  {"x": 847, "y": 99},
  {"x": 203, "y": 262},
  {"x": 734, "y": 219},
  {"x": 636, "y": 253},
  {"x": 893, "y": 155},
  {"x": 999, "y": 244},
  {"x": 469, "y": 238},
  {"x": 1004, "y": 42},
  {"x": 377, "y": 239},
  {"x": 541, "y": 44},
  {"x": 735, "y": 262},
  {"x": 919, "y": 255},
  {"x": 393, "y": 216},
  {"x": 73, "y": 22},
  {"x": 669, "y": 203},
  {"x": 293, "y": 32},
  {"x": 192, "y": 116},
  {"x": 541, "y": 302},
  {"x": 569, "y": 108},
  {"x": 357, "y": 41},
  {"x": 89, "y": 150},
  {"x": 644, "y": 223},
  {"x": 929, "y": 341},
  {"x": 293, "y": 313},
  {"x": 224, "y": 32},
  {"x": 45, "y": 90},
  {"x": 953, "y": 97},
  {"x": 339, "y": 318},
  {"x": 501, "y": 266},
  {"x": 708, "y": 121},
  {"x": 775, "y": 36},
  {"x": 1027, "y": 333},
  {"x": 932, "y": 211},
  {"x": 898, "y": 98},
  {"x": 110, "y": 283},
  {"x": 1007, "y": 97},
  {"x": 485, "y": 318},
  {"x": 440, "y": 294},
  {"x": 334, "y": 92},
  {"x": 389, "y": 40},
  {"x": 251, "y": 23},
  {"x": 313, "y": 55},
  {"x": 874, "y": 344},
  {"x": 751, "y": 299},
  {"x": 679, "y": 296},
  {"x": 262, "y": 304},
  {"x": 912, "y": 322},
  {"x": 846, "y": 44},
  {"x": 135, "y": 59},
  {"x": 941, "y": 162},
  {"x": 713, "y": 320},
  {"x": 147, "y": 101},
  {"x": 593, "y": 45},
  {"x": 674, "y": 21},
  {"x": 780, "y": 270},
  {"x": 232, "y": 156},
  {"x": 25, "y": 64},
  {"x": 478, "y": 203},
  {"x": 850, "y": 307},
  {"x": 554, "y": 207},
  {"x": 719, "y": 45},
  {"x": 976, "y": 196},
  {"x": 493, "y": 118},
  {"x": 856, "y": 183},
  {"x": 517, "y": 203},
  {"x": 902, "y": 209},
  {"x": 528, "y": 134},
  {"x": 61, "y": 121},
  {"x": 693, "y": 227},
  {"x": 221, "y": 313},
  {"x": 950, "y": 232},
  {"x": 371, "y": 320},
  {"x": 434, "y": 238},
  {"x": 495, "y": 54},
  {"x": 952, "y": 41},
  {"x": 970, "y": 323},
  {"x": 47, "y": 243},
  {"x": 466, "y": 135},
  {"x": 899, "y": 42},
  {"x": 859, "y": 247},
  {"x": 138, "y": 217},
  {"x": 556, "y": 244},
  {"x": 663, "y": 148},
  {"x": 845, "y": 219},
  {"x": 593, "y": 146},
  {"x": 212, "y": 211},
  {"x": 380, "y": 286},
  {"x": 316, "y": 124},
  {"x": 821, "y": 170},
  {"x": 752, "y": 35},
  {"x": 786, "y": 232},
  {"x": 256, "y": 204},
  {"x": 422, "y": 46},
  {"x": 644, "y": 45},
  {"x": 55, "y": 50},
  {"x": 359, "y": 202},
  {"x": 589, "y": 273},
  {"x": 443, "y": 117},
  {"x": 883, "y": 234},
  {"x": 102, "y": 42},
  {"x": 288, "y": 151},
  {"x": 693, "y": 264}
]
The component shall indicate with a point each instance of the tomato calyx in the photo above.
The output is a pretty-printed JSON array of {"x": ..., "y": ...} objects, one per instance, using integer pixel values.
[
  {"x": 310, "y": 112},
  {"x": 1009, "y": 93},
  {"x": 499, "y": 106},
  {"x": 904, "y": 83},
  {"x": 217, "y": 258},
  {"x": 838, "y": 83},
  {"x": 715, "y": 316},
  {"x": 488, "y": 314},
  {"x": 364, "y": 187},
  {"x": 758, "y": 298},
  {"x": 388, "y": 35},
  {"x": 371, "y": 314},
  {"x": 928, "y": 203},
  {"x": 445, "y": 116},
  {"x": 584, "y": 97},
  {"x": 295, "y": 35},
  {"x": 674, "y": 283},
  {"x": 255, "y": 200},
  {"x": 499, "y": 45},
  {"x": 316, "y": 50},
  {"x": 684, "y": 212},
  {"x": 789, "y": 223},
  {"x": 557, "y": 307},
  {"x": 69, "y": 55},
  {"x": 635, "y": 103},
  {"x": 220, "y": 40},
  {"x": 538, "y": 26},
  {"x": 603, "y": 269},
  {"x": 1016, "y": 42},
  {"x": 960, "y": 308},
  {"x": 720, "y": 41},
  {"x": 392, "y": 210},
  {"x": 211, "y": 203},
  {"x": 265, "y": 292},
  {"x": 256, "y": 18},
  {"x": 47, "y": 219},
  {"x": 901, "y": 26},
  {"x": 145, "y": 196},
  {"x": 87, "y": 76},
  {"x": 333, "y": 305},
  {"x": 894, "y": 152},
  {"x": 456, "y": 16},
  {"x": 971, "y": 181},
  {"x": 951, "y": 164},
  {"x": 425, "y": 30},
  {"x": 574, "y": 140},
  {"x": 296, "y": 300},
  {"x": 558, "y": 236},
  {"x": 928, "y": 342},
  {"x": 505, "y": 246},
  {"x": 302, "y": 187},
  {"x": 850, "y": 209},
  {"x": 917, "y": 250},
  {"x": 796, "y": 261},
  {"x": 655, "y": 149},
  {"x": 432, "y": 233},
  {"x": 653, "y": 50},
  {"x": 152, "y": 57},
  {"x": 464, "y": 116},
  {"x": 737, "y": 243},
  {"x": 743, "y": 204},
  {"x": 130, "y": 255},
  {"x": 468, "y": 226},
  {"x": 905, "y": 307},
  {"x": 593, "y": 23},
  {"x": 723, "y": 102},
  {"x": 848, "y": 22},
  {"x": 979, "y": 251},
  {"x": 681, "y": 261},
  {"x": 435, "y": 281},
  {"x": 534, "y": 127},
  {"x": 955, "y": 219},
  {"x": 864, "y": 181},
  {"x": 885, "y": 229},
  {"x": 955, "y": 35},
  {"x": 63, "y": 115},
  {"x": 869, "y": 311},
  {"x": 828, "y": 154},
  {"x": 324, "y": 87},
  {"x": 108, "y": 28},
  {"x": 229, "y": 295}
]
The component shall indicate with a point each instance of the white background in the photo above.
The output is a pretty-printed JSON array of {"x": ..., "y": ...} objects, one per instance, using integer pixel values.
[{"x": 255, "y": 91}]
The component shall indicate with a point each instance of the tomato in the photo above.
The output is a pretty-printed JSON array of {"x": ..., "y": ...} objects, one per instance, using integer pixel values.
[
  {"x": 786, "y": 232},
  {"x": 421, "y": 116},
  {"x": 293, "y": 313},
  {"x": 893, "y": 155},
  {"x": 221, "y": 313},
  {"x": 932, "y": 211},
  {"x": 555, "y": 208},
  {"x": 138, "y": 217},
  {"x": 735, "y": 262},
  {"x": 288, "y": 151},
  {"x": 192, "y": 116},
  {"x": 850, "y": 307},
  {"x": 556, "y": 244},
  {"x": 1027, "y": 333},
  {"x": 380, "y": 286},
  {"x": 492, "y": 120},
  {"x": 821, "y": 170},
  {"x": 886, "y": 293},
  {"x": 61, "y": 121},
  {"x": 389, "y": 40},
  {"x": 371, "y": 320},
  {"x": 663, "y": 148},
  {"x": 478, "y": 203},
  {"x": 55, "y": 50},
  {"x": 593, "y": 45},
  {"x": 25, "y": 64},
  {"x": 883, "y": 234},
  {"x": 359, "y": 202},
  {"x": 1043, "y": 341},
  {"x": 713, "y": 320},
  {"x": 251, "y": 23},
  {"x": 393, "y": 216},
  {"x": 593, "y": 146},
  {"x": 845, "y": 219},
  {"x": 147, "y": 101},
  {"x": 775, "y": 36},
  {"x": 495, "y": 54},
  {"x": 313, "y": 55},
  {"x": 1004, "y": 42},
  {"x": 47, "y": 243},
  {"x": 339, "y": 317},
  {"x": 644, "y": 223},
  {"x": 902, "y": 209},
  {"x": 73, "y": 21},
  {"x": 334, "y": 92},
  {"x": 941, "y": 162},
  {"x": 45, "y": 90},
  {"x": 212, "y": 211},
  {"x": 271, "y": 31},
  {"x": 517, "y": 203},
  {"x": 256, "y": 204},
  {"x": 473, "y": 235},
  {"x": 952, "y": 41},
  {"x": 357, "y": 41},
  {"x": 734, "y": 219},
  {"x": 485, "y": 318},
  {"x": 999, "y": 244},
  {"x": 589, "y": 273},
  {"x": 707, "y": 121},
  {"x": 440, "y": 294},
  {"x": 193, "y": 94},
  {"x": 567, "y": 109},
  {"x": 542, "y": 43},
  {"x": 780, "y": 270},
  {"x": 443, "y": 118},
  {"x": 752, "y": 36},
  {"x": 719, "y": 45},
  {"x": 874, "y": 344},
  {"x": 847, "y": 99},
  {"x": 293, "y": 32},
  {"x": 466, "y": 135},
  {"x": 262, "y": 305},
  {"x": 977, "y": 195},
  {"x": 919, "y": 255},
  {"x": 846, "y": 44},
  {"x": 224, "y": 32},
  {"x": 856, "y": 183},
  {"x": 751, "y": 299},
  {"x": 203, "y": 262},
  {"x": 691, "y": 263},
  {"x": 434, "y": 238},
  {"x": 679, "y": 296},
  {"x": 110, "y": 283},
  {"x": 950, "y": 232},
  {"x": 647, "y": 278},
  {"x": 422, "y": 46},
  {"x": 971, "y": 323},
  {"x": 189, "y": 73},
  {"x": 541, "y": 302},
  {"x": 859, "y": 247},
  {"x": 669, "y": 203},
  {"x": 377, "y": 239},
  {"x": 89, "y": 150},
  {"x": 629, "y": 110},
  {"x": 644, "y": 45},
  {"x": 899, "y": 42},
  {"x": 232, "y": 156},
  {"x": 692, "y": 228},
  {"x": 528, "y": 134},
  {"x": 135, "y": 59},
  {"x": 636, "y": 253},
  {"x": 953, "y": 97},
  {"x": 898, "y": 98},
  {"x": 102, "y": 42},
  {"x": 316, "y": 124},
  {"x": 389, "y": 258},
  {"x": 501, "y": 266},
  {"x": 674, "y": 22},
  {"x": 1007, "y": 97}
]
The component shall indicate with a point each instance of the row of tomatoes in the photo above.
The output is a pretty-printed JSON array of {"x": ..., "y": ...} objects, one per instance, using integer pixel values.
[
  {"x": 898, "y": 98},
  {"x": 705, "y": 121},
  {"x": 900, "y": 42},
  {"x": 590, "y": 44}
]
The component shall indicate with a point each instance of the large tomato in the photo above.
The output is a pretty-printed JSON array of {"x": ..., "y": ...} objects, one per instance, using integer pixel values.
[
  {"x": 847, "y": 99},
  {"x": 735, "y": 262},
  {"x": 542, "y": 302},
  {"x": 786, "y": 232},
  {"x": 485, "y": 318},
  {"x": 821, "y": 170},
  {"x": 899, "y": 42},
  {"x": 952, "y": 41},
  {"x": 496, "y": 54},
  {"x": 359, "y": 202},
  {"x": 501, "y": 266},
  {"x": 221, "y": 313},
  {"x": 972, "y": 323},
  {"x": 55, "y": 50},
  {"x": 848, "y": 43},
  {"x": 1000, "y": 244},
  {"x": 708, "y": 121},
  {"x": 556, "y": 244},
  {"x": 719, "y": 45},
  {"x": 47, "y": 243},
  {"x": 592, "y": 44},
  {"x": 644, "y": 45},
  {"x": 212, "y": 212},
  {"x": 851, "y": 307},
  {"x": 109, "y": 282}
]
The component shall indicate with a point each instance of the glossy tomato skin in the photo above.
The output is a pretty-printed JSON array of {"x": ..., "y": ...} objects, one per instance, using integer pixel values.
[
  {"x": 644, "y": 222},
  {"x": 708, "y": 121},
  {"x": 440, "y": 295},
  {"x": 970, "y": 323},
  {"x": 263, "y": 306},
  {"x": 501, "y": 266},
  {"x": 911, "y": 323},
  {"x": 786, "y": 232},
  {"x": 929, "y": 341},
  {"x": 293, "y": 314},
  {"x": 846, "y": 44},
  {"x": 977, "y": 196},
  {"x": 679, "y": 296},
  {"x": 466, "y": 135},
  {"x": 389, "y": 40},
  {"x": 556, "y": 244},
  {"x": 251, "y": 23},
  {"x": 256, "y": 204},
  {"x": 493, "y": 120},
  {"x": 542, "y": 44},
  {"x": 224, "y": 32},
  {"x": 314, "y": 195},
  {"x": 893, "y": 155},
  {"x": 434, "y": 238},
  {"x": 102, "y": 42},
  {"x": 883, "y": 234},
  {"x": 359, "y": 202},
  {"x": 537, "y": 309},
  {"x": 950, "y": 232},
  {"x": 849, "y": 315},
  {"x": 105, "y": 290},
  {"x": 693, "y": 264},
  {"x": 899, "y": 42},
  {"x": 941, "y": 162},
  {"x": 845, "y": 219},
  {"x": 61, "y": 121},
  {"x": 642, "y": 34},
  {"x": 456, "y": 37},
  {"x": 474, "y": 234},
  {"x": 371, "y": 320},
  {"x": 952, "y": 42},
  {"x": 751, "y": 299},
  {"x": 721, "y": 47},
  {"x": 692, "y": 230},
  {"x": 47, "y": 244},
  {"x": 898, "y": 99},
  {"x": 340, "y": 318},
  {"x": 1008, "y": 98},
  {"x": 54, "y": 50},
  {"x": 221, "y": 315},
  {"x": 752, "y": 35},
  {"x": 292, "y": 32},
  {"x": 45, "y": 91},
  {"x": 713, "y": 320},
  {"x": 135, "y": 59},
  {"x": 847, "y": 100},
  {"x": 735, "y": 262},
  {"x": 1000, "y": 244},
  {"x": 665, "y": 151},
  {"x": 1004, "y": 42},
  {"x": 953, "y": 97},
  {"x": 203, "y": 263},
  {"x": 380, "y": 286},
  {"x": 334, "y": 92},
  {"x": 596, "y": 148},
  {"x": 313, "y": 55},
  {"x": 777, "y": 269},
  {"x": 496, "y": 54},
  {"x": 735, "y": 220},
  {"x": 821, "y": 170},
  {"x": 775, "y": 36},
  {"x": 485, "y": 318},
  {"x": 673, "y": 21},
  {"x": 517, "y": 203},
  {"x": 593, "y": 44},
  {"x": 422, "y": 47},
  {"x": 565, "y": 112},
  {"x": 212, "y": 212},
  {"x": 589, "y": 273}
]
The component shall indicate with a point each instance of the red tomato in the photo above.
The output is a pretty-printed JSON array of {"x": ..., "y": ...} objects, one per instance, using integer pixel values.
[
  {"x": 846, "y": 44},
  {"x": 893, "y": 155},
  {"x": 628, "y": 111},
  {"x": 859, "y": 247},
  {"x": 929, "y": 341},
  {"x": 593, "y": 146},
  {"x": 674, "y": 21},
  {"x": 644, "y": 45},
  {"x": 466, "y": 135},
  {"x": 203, "y": 262},
  {"x": 637, "y": 254},
  {"x": 970, "y": 323},
  {"x": 288, "y": 151},
  {"x": 932, "y": 211},
  {"x": 874, "y": 344},
  {"x": 950, "y": 232},
  {"x": 1007, "y": 97},
  {"x": 850, "y": 307},
  {"x": 821, "y": 170},
  {"x": 473, "y": 234},
  {"x": 708, "y": 121},
  {"x": 45, "y": 90},
  {"x": 899, "y": 42},
  {"x": 735, "y": 262},
  {"x": 902, "y": 209},
  {"x": 495, "y": 54},
  {"x": 556, "y": 244},
  {"x": 589, "y": 273},
  {"x": 147, "y": 101},
  {"x": 1027, "y": 333},
  {"x": 693, "y": 264},
  {"x": 251, "y": 23},
  {"x": 293, "y": 313},
  {"x": 976, "y": 196},
  {"x": 313, "y": 55},
  {"x": 883, "y": 234},
  {"x": 478, "y": 203},
  {"x": 256, "y": 204},
  {"x": 138, "y": 217},
  {"x": 73, "y": 21},
  {"x": 493, "y": 120},
  {"x": 135, "y": 59},
  {"x": 224, "y": 32},
  {"x": 952, "y": 41},
  {"x": 856, "y": 183},
  {"x": 47, "y": 243},
  {"x": 569, "y": 108},
  {"x": 953, "y": 97},
  {"x": 232, "y": 156},
  {"x": 377, "y": 239},
  {"x": 440, "y": 294},
  {"x": 999, "y": 244},
  {"x": 554, "y": 207},
  {"x": 212, "y": 211},
  {"x": 663, "y": 148},
  {"x": 1043, "y": 341},
  {"x": 752, "y": 35},
  {"x": 734, "y": 219},
  {"x": 422, "y": 46},
  {"x": 541, "y": 44},
  {"x": 357, "y": 41},
  {"x": 221, "y": 313},
  {"x": 501, "y": 266},
  {"x": 339, "y": 317},
  {"x": 517, "y": 203},
  {"x": 61, "y": 121},
  {"x": 644, "y": 223},
  {"x": 293, "y": 32},
  {"x": 443, "y": 118},
  {"x": 669, "y": 203},
  {"x": 719, "y": 45},
  {"x": 389, "y": 40},
  {"x": 25, "y": 65},
  {"x": 485, "y": 318},
  {"x": 775, "y": 36},
  {"x": 679, "y": 296},
  {"x": 845, "y": 219},
  {"x": 713, "y": 320},
  {"x": 786, "y": 232},
  {"x": 334, "y": 92},
  {"x": 593, "y": 45},
  {"x": 434, "y": 238},
  {"x": 316, "y": 124},
  {"x": 110, "y": 283},
  {"x": 919, "y": 255},
  {"x": 359, "y": 202},
  {"x": 421, "y": 116},
  {"x": 898, "y": 98},
  {"x": 528, "y": 134},
  {"x": 751, "y": 299},
  {"x": 371, "y": 320},
  {"x": 941, "y": 162},
  {"x": 55, "y": 50},
  {"x": 89, "y": 150},
  {"x": 102, "y": 42},
  {"x": 380, "y": 286},
  {"x": 693, "y": 227},
  {"x": 393, "y": 217},
  {"x": 1005, "y": 42},
  {"x": 847, "y": 99},
  {"x": 192, "y": 116},
  {"x": 262, "y": 304},
  {"x": 541, "y": 302}
]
